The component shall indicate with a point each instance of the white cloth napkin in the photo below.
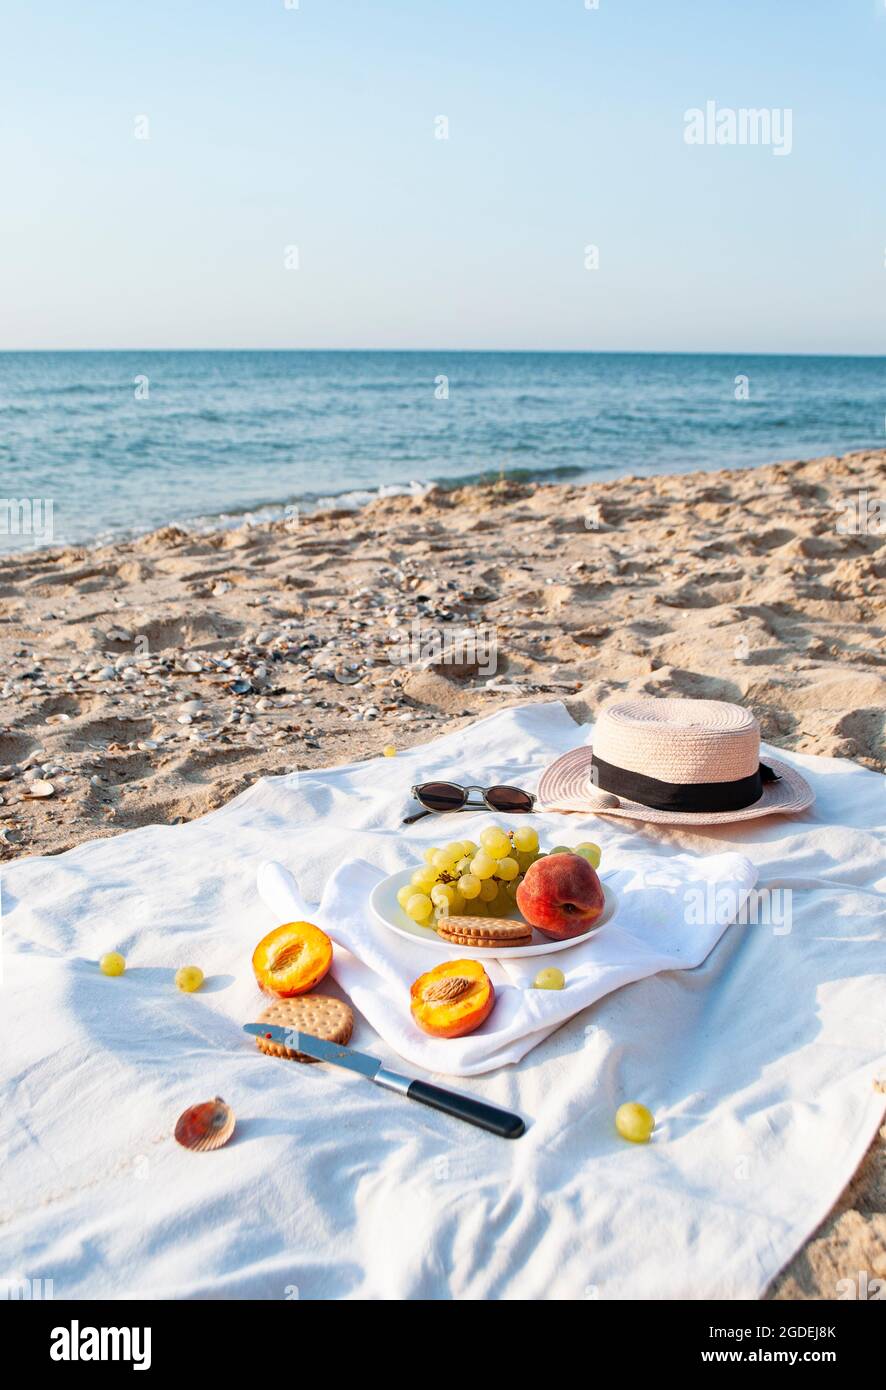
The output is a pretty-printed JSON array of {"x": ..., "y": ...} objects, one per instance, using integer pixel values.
[{"x": 669, "y": 917}]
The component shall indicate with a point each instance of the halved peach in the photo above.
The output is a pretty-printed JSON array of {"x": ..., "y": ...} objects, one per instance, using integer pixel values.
[
  {"x": 292, "y": 959},
  {"x": 452, "y": 999}
]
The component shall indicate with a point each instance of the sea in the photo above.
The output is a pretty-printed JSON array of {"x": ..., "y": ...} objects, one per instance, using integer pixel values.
[{"x": 98, "y": 445}]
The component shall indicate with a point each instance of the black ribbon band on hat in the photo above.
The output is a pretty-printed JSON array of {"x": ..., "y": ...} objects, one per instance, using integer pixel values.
[{"x": 678, "y": 796}]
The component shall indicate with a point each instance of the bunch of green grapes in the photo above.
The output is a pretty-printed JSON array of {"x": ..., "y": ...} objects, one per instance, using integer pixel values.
[{"x": 464, "y": 877}]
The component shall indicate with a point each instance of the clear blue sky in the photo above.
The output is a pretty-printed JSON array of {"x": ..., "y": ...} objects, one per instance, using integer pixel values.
[{"x": 315, "y": 126}]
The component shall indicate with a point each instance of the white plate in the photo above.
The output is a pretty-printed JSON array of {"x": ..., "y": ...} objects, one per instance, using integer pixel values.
[{"x": 383, "y": 902}]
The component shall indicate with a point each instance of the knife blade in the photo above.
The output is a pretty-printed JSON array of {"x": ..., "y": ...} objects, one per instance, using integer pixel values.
[
  {"x": 461, "y": 1107},
  {"x": 318, "y": 1048}
]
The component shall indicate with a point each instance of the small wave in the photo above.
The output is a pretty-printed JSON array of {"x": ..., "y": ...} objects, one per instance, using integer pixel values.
[
  {"x": 361, "y": 497},
  {"x": 557, "y": 473}
]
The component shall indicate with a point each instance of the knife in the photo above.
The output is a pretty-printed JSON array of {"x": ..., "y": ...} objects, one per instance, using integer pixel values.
[{"x": 476, "y": 1112}]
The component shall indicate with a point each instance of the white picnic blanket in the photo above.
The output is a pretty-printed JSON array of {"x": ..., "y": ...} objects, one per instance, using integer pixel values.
[{"x": 759, "y": 1066}]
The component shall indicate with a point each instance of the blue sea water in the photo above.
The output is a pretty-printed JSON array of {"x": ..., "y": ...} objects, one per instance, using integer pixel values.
[{"x": 122, "y": 442}]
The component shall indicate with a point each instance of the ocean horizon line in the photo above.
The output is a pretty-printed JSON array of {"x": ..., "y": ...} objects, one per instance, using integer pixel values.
[{"x": 467, "y": 352}]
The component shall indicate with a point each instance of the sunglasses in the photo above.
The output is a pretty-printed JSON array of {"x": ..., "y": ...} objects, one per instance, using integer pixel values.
[{"x": 449, "y": 796}]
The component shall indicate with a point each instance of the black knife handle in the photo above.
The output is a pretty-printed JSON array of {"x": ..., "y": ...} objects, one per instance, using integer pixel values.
[{"x": 476, "y": 1112}]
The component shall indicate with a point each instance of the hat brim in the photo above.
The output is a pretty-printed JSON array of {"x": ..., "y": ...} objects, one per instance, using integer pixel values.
[{"x": 564, "y": 787}]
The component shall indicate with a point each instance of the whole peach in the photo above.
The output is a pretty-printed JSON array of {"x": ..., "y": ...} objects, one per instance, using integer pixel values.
[{"x": 561, "y": 895}]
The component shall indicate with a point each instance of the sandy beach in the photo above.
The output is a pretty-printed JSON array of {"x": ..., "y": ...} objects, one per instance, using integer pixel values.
[{"x": 152, "y": 680}]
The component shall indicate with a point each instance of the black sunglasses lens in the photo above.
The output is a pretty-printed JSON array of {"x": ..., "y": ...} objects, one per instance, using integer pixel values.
[
  {"x": 510, "y": 799},
  {"x": 440, "y": 796}
]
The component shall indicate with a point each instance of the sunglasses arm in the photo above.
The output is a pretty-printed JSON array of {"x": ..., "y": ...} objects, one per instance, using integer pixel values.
[{"x": 453, "y": 811}]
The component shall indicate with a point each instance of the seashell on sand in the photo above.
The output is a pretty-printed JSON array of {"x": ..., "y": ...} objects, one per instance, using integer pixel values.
[
  {"x": 38, "y": 789},
  {"x": 206, "y": 1126}
]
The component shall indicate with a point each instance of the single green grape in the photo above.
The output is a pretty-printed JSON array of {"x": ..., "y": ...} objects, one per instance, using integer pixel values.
[
  {"x": 469, "y": 848},
  {"x": 469, "y": 886},
  {"x": 405, "y": 893},
  {"x": 424, "y": 879},
  {"x": 507, "y": 868},
  {"x": 188, "y": 978},
  {"x": 591, "y": 852},
  {"x": 634, "y": 1122},
  {"x": 451, "y": 853},
  {"x": 511, "y": 888},
  {"x": 419, "y": 907},
  {"x": 429, "y": 854},
  {"x": 495, "y": 842},
  {"x": 561, "y": 849},
  {"x": 463, "y": 866},
  {"x": 526, "y": 839},
  {"x": 488, "y": 890},
  {"x": 483, "y": 865},
  {"x": 112, "y": 963},
  {"x": 549, "y": 978},
  {"x": 502, "y": 903},
  {"x": 447, "y": 893}
]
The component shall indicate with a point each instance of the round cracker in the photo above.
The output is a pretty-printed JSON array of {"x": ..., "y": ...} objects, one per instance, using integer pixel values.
[
  {"x": 478, "y": 931},
  {"x": 317, "y": 1014},
  {"x": 503, "y": 930},
  {"x": 478, "y": 943}
]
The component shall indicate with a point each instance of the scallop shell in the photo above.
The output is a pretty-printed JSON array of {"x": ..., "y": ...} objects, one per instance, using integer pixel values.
[
  {"x": 38, "y": 788},
  {"x": 205, "y": 1126}
]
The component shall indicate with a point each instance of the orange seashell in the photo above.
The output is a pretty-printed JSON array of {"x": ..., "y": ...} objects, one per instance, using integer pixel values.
[{"x": 205, "y": 1126}]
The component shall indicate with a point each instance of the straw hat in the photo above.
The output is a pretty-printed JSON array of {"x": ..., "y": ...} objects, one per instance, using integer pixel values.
[{"x": 679, "y": 762}]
